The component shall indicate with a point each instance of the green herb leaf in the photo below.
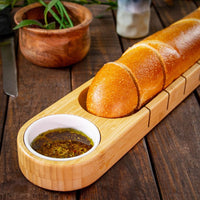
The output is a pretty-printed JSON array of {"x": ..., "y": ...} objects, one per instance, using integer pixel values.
[
  {"x": 51, "y": 25},
  {"x": 60, "y": 11},
  {"x": 48, "y": 8},
  {"x": 62, "y": 18},
  {"x": 13, "y": 3},
  {"x": 2, "y": 6},
  {"x": 66, "y": 14},
  {"x": 28, "y": 22},
  {"x": 53, "y": 14}
]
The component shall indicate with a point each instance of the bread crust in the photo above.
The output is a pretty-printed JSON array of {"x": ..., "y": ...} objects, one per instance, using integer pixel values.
[
  {"x": 115, "y": 95},
  {"x": 170, "y": 59},
  {"x": 184, "y": 37},
  {"x": 147, "y": 70},
  {"x": 124, "y": 86}
]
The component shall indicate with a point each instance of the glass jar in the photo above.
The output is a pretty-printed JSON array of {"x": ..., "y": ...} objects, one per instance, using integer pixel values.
[{"x": 133, "y": 17}]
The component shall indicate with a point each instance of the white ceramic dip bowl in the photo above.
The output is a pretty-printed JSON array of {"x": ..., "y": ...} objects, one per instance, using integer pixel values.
[{"x": 61, "y": 121}]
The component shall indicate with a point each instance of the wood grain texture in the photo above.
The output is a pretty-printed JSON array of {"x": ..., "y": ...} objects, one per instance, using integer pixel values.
[
  {"x": 3, "y": 105},
  {"x": 158, "y": 107},
  {"x": 55, "y": 48},
  {"x": 84, "y": 171},
  {"x": 198, "y": 94},
  {"x": 173, "y": 147},
  {"x": 192, "y": 76},
  {"x": 123, "y": 180},
  {"x": 134, "y": 173},
  {"x": 117, "y": 135},
  {"x": 38, "y": 88},
  {"x": 137, "y": 176},
  {"x": 176, "y": 91},
  {"x": 171, "y": 13},
  {"x": 110, "y": 39},
  {"x": 105, "y": 46},
  {"x": 197, "y": 2}
]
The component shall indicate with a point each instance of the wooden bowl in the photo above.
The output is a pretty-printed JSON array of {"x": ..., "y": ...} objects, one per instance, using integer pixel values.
[{"x": 58, "y": 47}]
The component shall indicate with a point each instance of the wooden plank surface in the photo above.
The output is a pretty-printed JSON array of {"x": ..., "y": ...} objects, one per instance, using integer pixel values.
[
  {"x": 117, "y": 135},
  {"x": 38, "y": 88},
  {"x": 3, "y": 105},
  {"x": 109, "y": 187},
  {"x": 130, "y": 178},
  {"x": 170, "y": 188},
  {"x": 174, "y": 148},
  {"x": 105, "y": 46},
  {"x": 138, "y": 175},
  {"x": 197, "y": 2},
  {"x": 171, "y": 13},
  {"x": 174, "y": 144},
  {"x": 165, "y": 165}
]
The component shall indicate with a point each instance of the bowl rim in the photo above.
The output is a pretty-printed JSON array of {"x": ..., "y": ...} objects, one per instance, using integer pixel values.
[
  {"x": 87, "y": 20},
  {"x": 38, "y": 155}
]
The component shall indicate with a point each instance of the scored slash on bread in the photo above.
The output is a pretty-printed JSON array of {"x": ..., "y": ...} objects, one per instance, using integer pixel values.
[
  {"x": 147, "y": 70},
  {"x": 124, "y": 86}
]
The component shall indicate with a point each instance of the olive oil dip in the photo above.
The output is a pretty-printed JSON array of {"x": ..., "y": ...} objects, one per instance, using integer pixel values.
[{"x": 62, "y": 143}]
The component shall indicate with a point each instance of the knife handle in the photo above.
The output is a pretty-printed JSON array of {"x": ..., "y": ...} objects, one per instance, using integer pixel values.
[{"x": 5, "y": 22}]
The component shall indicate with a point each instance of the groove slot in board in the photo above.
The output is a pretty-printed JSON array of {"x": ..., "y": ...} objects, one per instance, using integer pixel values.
[
  {"x": 192, "y": 78},
  {"x": 176, "y": 92},
  {"x": 158, "y": 108}
]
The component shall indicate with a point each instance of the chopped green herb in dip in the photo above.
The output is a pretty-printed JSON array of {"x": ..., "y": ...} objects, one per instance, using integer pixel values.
[{"x": 62, "y": 143}]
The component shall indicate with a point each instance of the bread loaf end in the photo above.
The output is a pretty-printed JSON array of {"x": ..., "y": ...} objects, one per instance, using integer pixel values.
[{"x": 113, "y": 92}]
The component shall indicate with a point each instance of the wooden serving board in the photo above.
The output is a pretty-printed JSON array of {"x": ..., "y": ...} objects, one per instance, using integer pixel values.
[{"x": 118, "y": 136}]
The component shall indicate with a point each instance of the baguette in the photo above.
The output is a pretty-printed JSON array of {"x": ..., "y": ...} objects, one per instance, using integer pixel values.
[{"x": 124, "y": 86}]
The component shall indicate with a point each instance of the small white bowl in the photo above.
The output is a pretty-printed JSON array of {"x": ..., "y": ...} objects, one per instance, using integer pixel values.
[{"x": 61, "y": 121}]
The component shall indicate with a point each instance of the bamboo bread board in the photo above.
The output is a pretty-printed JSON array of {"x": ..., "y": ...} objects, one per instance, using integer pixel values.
[{"x": 118, "y": 135}]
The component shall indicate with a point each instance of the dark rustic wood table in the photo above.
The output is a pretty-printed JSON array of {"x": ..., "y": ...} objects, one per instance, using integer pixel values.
[{"x": 163, "y": 165}]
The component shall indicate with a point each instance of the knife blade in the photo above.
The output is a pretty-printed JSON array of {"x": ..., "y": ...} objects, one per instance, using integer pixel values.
[
  {"x": 7, "y": 51},
  {"x": 9, "y": 67}
]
